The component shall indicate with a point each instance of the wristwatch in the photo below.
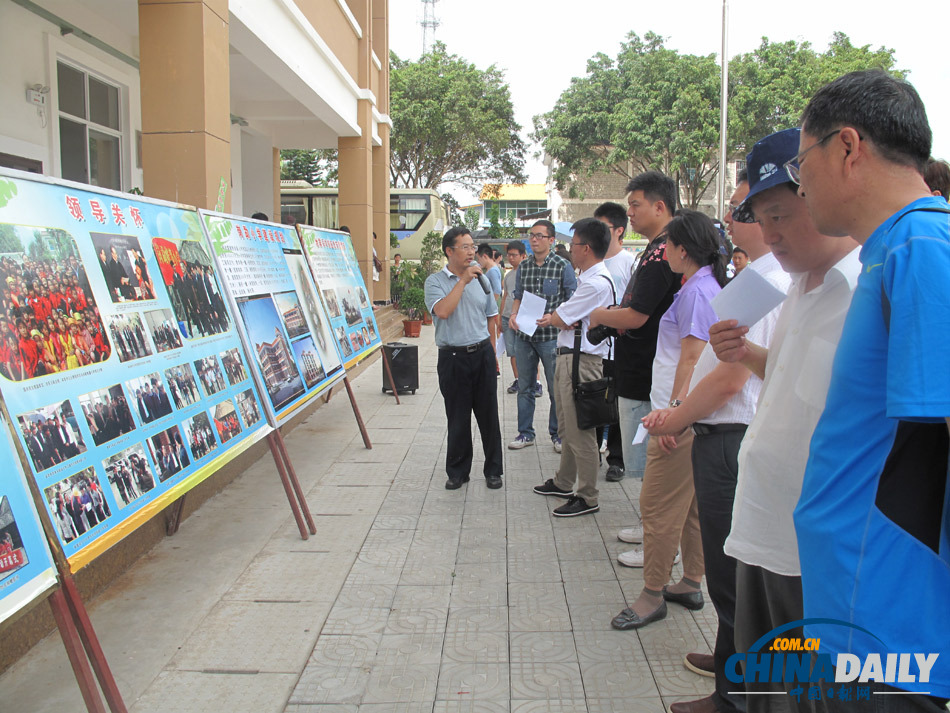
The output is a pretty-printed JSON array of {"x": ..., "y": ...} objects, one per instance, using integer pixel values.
[{"x": 674, "y": 403}]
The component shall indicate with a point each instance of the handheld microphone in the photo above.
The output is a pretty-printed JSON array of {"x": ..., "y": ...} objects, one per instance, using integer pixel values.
[{"x": 482, "y": 280}]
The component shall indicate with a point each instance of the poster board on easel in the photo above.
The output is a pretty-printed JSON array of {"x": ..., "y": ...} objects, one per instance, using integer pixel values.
[{"x": 137, "y": 386}]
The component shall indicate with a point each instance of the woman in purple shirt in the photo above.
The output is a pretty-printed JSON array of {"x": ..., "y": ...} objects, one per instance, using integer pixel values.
[{"x": 667, "y": 498}]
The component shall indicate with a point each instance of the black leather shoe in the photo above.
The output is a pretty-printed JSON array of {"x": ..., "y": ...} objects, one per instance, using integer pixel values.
[
  {"x": 493, "y": 481},
  {"x": 629, "y": 619},
  {"x": 451, "y": 484},
  {"x": 690, "y": 600}
]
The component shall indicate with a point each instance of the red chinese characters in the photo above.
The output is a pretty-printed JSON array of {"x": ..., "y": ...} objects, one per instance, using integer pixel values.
[
  {"x": 74, "y": 208},
  {"x": 136, "y": 217},
  {"x": 97, "y": 212},
  {"x": 117, "y": 215}
]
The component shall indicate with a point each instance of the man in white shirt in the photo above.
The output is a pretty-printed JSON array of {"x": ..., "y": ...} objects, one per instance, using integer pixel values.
[
  {"x": 719, "y": 409},
  {"x": 796, "y": 371},
  {"x": 580, "y": 455},
  {"x": 619, "y": 264}
]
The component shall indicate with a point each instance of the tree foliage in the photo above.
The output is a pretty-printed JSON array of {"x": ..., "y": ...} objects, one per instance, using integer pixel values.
[
  {"x": 319, "y": 167},
  {"x": 654, "y": 108},
  {"x": 452, "y": 122}
]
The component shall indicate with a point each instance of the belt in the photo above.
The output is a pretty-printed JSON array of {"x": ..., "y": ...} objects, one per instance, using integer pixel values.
[
  {"x": 468, "y": 349},
  {"x": 704, "y": 429},
  {"x": 563, "y": 350}
]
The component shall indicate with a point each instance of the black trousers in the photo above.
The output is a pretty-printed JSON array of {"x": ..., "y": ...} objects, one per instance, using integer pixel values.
[
  {"x": 715, "y": 469},
  {"x": 766, "y": 600},
  {"x": 469, "y": 385},
  {"x": 614, "y": 438}
]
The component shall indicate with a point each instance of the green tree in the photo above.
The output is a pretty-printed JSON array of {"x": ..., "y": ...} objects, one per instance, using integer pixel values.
[
  {"x": 471, "y": 219},
  {"x": 455, "y": 210},
  {"x": 319, "y": 167},
  {"x": 9, "y": 242},
  {"x": 654, "y": 108},
  {"x": 452, "y": 122}
]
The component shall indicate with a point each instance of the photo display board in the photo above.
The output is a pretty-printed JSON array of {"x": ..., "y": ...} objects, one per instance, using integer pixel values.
[
  {"x": 284, "y": 322},
  {"x": 120, "y": 364},
  {"x": 26, "y": 566},
  {"x": 338, "y": 277}
]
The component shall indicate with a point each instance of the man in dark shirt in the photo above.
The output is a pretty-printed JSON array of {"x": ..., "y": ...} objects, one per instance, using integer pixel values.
[{"x": 651, "y": 200}]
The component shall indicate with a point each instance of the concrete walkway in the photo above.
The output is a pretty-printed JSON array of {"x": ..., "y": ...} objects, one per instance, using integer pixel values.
[{"x": 409, "y": 599}]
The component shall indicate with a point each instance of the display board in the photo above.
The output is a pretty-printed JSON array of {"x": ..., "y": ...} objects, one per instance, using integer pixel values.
[
  {"x": 283, "y": 320},
  {"x": 26, "y": 566},
  {"x": 338, "y": 277},
  {"x": 121, "y": 367}
]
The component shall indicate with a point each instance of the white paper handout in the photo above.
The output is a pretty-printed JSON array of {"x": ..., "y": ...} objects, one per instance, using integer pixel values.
[
  {"x": 641, "y": 435},
  {"x": 500, "y": 345},
  {"x": 747, "y": 299},
  {"x": 530, "y": 311}
]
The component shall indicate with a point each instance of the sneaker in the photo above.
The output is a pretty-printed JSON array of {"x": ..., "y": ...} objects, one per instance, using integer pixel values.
[
  {"x": 513, "y": 389},
  {"x": 549, "y": 488},
  {"x": 603, "y": 446},
  {"x": 538, "y": 390},
  {"x": 522, "y": 441},
  {"x": 574, "y": 507},
  {"x": 634, "y": 558},
  {"x": 633, "y": 535},
  {"x": 614, "y": 474},
  {"x": 557, "y": 444}
]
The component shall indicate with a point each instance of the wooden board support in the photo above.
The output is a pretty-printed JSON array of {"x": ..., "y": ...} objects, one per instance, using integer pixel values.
[
  {"x": 389, "y": 374},
  {"x": 77, "y": 657},
  {"x": 356, "y": 412}
]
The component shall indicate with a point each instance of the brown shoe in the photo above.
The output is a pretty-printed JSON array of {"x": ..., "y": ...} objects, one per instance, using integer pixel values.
[
  {"x": 703, "y": 664},
  {"x": 703, "y": 705}
]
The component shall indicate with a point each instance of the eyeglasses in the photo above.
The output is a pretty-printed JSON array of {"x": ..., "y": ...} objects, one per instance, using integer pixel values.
[
  {"x": 539, "y": 236},
  {"x": 576, "y": 245},
  {"x": 793, "y": 165},
  {"x": 465, "y": 246}
]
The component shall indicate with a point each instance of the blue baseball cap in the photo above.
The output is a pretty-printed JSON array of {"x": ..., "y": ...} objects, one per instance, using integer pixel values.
[{"x": 766, "y": 167}]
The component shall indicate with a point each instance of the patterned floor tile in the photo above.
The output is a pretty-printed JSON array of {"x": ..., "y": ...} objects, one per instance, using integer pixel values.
[
  {"x": 415, "y": 620},
  {"x": 467, "y": 705},
  {"x": 480, "y": 647},
  {"x": 543, "y": 647},
  {"x": 396, "y": 649},
  {"x": 578, "y": 706},
  {"x": 547, "y": 681},
  {"x": 460, "y": 681},
  {"x": 345, "y": 651},
  {"x": 473, "y": 620},
  {"x": 421, "y": 597},
  {"x": 618, "y": 679},
  {"x": 330, "y": 684},
  {"x": 467, "y": 593},
  {"x": 366, "y": 595},
  {"x": 355, "y": 620},
  {"x": 401, "y": 683}
]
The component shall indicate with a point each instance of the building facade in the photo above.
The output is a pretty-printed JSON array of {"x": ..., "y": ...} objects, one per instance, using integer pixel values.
[{"x": 192, "y": 100}]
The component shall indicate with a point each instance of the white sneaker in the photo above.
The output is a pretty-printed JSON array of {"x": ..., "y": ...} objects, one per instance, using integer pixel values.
[
  {"x": 633, "y": 535},
  {"x": 557, "y": 444},
  {"x": 634, "y": 558}
]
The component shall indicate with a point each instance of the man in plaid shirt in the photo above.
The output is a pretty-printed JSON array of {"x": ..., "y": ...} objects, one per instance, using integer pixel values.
[{"x": 551, "y": 277}]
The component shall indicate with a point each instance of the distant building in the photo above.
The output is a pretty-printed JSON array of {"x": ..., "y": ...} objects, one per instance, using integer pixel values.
[
  {"x": 294, "y": 320},
  {"x": 590, "y": 191},
  {"x": 276, "y": 362},
  {"x": 523, "y": 203},
  {"x": 311, "y": 367}
]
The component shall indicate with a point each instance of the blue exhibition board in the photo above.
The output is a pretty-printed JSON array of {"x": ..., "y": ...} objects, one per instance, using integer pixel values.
[
  {"x": 26, "y": 567},
  {"x": 283, "y": 320},
  {"x": 136, "y": 386},
  {"x": 338, "y": 277}
]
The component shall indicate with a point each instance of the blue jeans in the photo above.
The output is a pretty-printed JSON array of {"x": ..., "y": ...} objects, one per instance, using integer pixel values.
[
  {"x": 634, "y": 456},
  {"x": 528, "y": 354}
]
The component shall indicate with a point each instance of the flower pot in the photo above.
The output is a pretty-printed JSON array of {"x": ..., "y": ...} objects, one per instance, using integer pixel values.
[
  {"x": 411, "y": 327},
  {"x": 426, "y": 318}
]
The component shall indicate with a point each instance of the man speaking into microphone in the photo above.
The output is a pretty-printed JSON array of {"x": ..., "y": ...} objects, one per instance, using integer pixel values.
[{"x": 463, "y": 308}]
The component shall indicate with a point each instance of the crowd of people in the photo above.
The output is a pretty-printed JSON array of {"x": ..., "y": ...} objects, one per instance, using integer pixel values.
[
  {"x": 107, "y": 415},
  {"x": 50, "y": 319},
  {"x": 130, "y": 476},
  {"x": 51, "y": 438},
  {"x": 151, "y": 399},
  {"x": 233, "y": 366},
  {"x": 182, "y": 385},
  {"x": 78, "y": 505},
  {"x": 129, "y": 337},
  {"x": 197, "y": 300},
  {"x": 228, "y": 426},
  {"x": 799, "y": 463},
  {"x": 201, "y": 441},
  {"x": 209, "y": 374},
  {"x": 165, "y": 334}
]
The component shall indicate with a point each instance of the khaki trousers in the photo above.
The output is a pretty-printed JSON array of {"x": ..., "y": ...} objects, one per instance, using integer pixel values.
[
  {"x": 669, "y": 513},
  {"x": 580, "y": 454}
]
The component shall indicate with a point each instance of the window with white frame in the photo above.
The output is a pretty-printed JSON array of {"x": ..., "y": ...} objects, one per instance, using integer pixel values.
[{"x": 90, "y": 129}]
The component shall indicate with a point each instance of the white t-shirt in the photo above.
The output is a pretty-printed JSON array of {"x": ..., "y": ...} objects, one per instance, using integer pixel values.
[
  {"x": 620, "y": 267},
  {"x": 775, "y": 448},
  {"x": 741, "y": 407}
]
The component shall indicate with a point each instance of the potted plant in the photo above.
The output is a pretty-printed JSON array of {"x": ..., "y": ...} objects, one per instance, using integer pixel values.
[{"x": 413, "y": 303}]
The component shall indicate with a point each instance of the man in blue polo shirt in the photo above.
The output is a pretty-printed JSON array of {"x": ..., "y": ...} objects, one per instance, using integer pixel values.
[
  {"x": 462, "y": 313},
  {"x": 873, "y": 521}
]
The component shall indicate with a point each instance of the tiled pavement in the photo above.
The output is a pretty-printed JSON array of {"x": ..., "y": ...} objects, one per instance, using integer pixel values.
[{"x": 410, "y": 599}]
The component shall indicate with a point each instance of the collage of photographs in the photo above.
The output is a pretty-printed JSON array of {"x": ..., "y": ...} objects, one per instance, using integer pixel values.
[{"x": 55, "y": 434}]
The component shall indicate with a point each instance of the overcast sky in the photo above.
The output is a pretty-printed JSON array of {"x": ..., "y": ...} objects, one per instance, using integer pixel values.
[{"x": 542, "y": 45}]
